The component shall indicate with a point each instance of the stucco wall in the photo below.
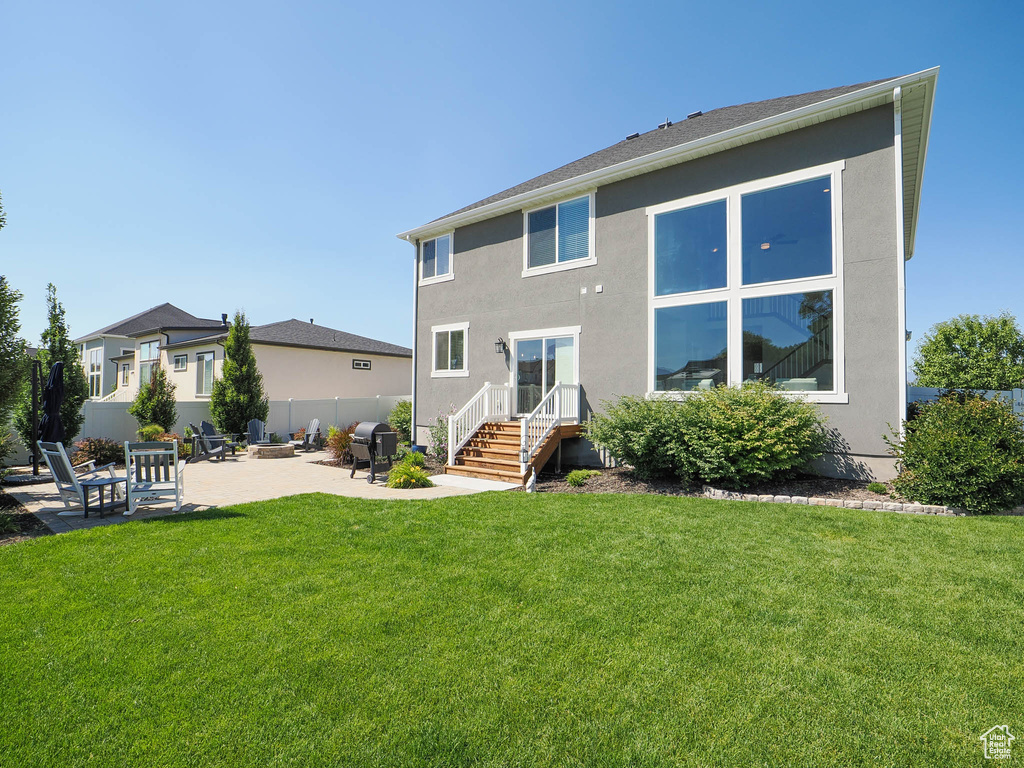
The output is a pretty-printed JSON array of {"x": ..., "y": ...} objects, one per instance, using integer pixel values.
[
  {"x": 489, "y": 292},
  {"x": 293, "y": 372}
]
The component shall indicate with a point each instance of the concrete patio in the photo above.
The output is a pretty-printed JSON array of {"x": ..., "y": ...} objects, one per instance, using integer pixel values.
[{"x": 240, "y": 479}]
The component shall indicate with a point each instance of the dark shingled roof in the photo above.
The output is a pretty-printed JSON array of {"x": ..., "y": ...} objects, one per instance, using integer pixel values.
[
  {"x": 683, "y": 132},
  {"x": 153, "y": 319},
  {"x": 295, "y": 333}
]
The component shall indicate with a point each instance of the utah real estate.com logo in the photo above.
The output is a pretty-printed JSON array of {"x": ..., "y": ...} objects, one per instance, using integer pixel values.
[{"x": 997, "y": 742}]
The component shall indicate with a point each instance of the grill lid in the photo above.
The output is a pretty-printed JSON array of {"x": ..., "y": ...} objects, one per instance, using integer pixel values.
[{"x": 367, "y": 429}]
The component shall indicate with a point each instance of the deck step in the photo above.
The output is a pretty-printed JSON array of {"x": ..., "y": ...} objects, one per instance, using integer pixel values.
[
  {"x": 497, "y": 452},
  {"x": 485, "y": 474},
  {"x": 488, "y": 462}
]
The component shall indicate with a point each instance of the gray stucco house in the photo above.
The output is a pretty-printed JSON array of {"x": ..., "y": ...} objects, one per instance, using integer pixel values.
[{"x": 760, "y": 241}]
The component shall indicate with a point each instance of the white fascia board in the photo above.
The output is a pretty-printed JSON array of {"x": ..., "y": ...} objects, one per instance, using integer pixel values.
[
  {"x": 922, "y": 155},
  {"x": 874, "y": 95}
]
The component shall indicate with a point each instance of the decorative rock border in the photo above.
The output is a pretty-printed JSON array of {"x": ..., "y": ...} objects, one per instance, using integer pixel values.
[{"x": 813, "y": 501}]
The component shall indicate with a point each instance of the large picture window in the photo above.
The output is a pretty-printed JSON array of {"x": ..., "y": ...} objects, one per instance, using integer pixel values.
[
  {"x": 745, "y": 286},
  {"x": 450, "y": 350},
  {"x": 559, "y": 236}
]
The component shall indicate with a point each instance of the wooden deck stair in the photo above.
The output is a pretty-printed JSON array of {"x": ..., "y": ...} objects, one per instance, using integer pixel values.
[{"x": 493, "y": 452}]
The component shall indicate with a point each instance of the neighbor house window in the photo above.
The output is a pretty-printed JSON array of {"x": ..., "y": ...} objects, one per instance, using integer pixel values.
[
  {"x": 436, "y": 259},
  {"x": 746, "y": 286},
  {"x": 181, "y": 362},
  {"x": 450, "y": 350},
  {"x": 361, "y": 365},
  {"x": 149, "y": 356},
  {"x": 95, "y": 372},
  {"x": 124, "y": 374},
  {"x": 204, "y": 373},
  {"x": 559, "y": 236}
]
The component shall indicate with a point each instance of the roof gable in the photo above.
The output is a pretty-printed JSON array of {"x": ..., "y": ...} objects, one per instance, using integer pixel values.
[{"x": 153, "y": 319}]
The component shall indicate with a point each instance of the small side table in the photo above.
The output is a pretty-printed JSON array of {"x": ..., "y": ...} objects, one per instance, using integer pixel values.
[{"x": 101, "y": 483}]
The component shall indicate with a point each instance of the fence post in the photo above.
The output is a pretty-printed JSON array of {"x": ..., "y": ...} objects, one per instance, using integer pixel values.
[
  {"x": 289, "y": 415},
  {"x": 336, "y": 412},
  {"x": 378, "y": 407}
]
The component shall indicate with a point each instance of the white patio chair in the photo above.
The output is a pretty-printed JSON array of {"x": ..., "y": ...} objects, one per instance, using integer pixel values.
[
  {"x": 68, "y": 479},
  {"x": 154, "y": 474}
]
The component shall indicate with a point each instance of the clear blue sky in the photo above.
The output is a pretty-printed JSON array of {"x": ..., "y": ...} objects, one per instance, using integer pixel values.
[{"x": 263, "y": 155}]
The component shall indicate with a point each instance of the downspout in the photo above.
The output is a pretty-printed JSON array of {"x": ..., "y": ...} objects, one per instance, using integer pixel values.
[
  {"x": 901, "y": 260},
  {"x": 415, "y": 331}
]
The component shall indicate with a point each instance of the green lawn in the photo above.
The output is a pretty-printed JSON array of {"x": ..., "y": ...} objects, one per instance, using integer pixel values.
[{"x": 513, "y": 629}]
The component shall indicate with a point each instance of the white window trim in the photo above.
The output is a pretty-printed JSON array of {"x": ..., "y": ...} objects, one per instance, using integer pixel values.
[
  {"x": 200, "y": 369},
  {"x": 546, "y": 333},
  {"x": 735, "y": 291},
  {"x": 174, "y": 363},
  {"x": 560, "y": 266},
  {"x": 447, "y": 374},
  {"x": 450, "y": 274},
  {"x": 357, "y": 364}
]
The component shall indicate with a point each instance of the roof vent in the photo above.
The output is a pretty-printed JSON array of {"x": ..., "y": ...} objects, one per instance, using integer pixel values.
[
  {"x": 632, "y": 136},
  {"x": 692, "y": 115},
  {"x": 666, "y": 124},
  {"x": 224, "y": 318},
  {"x": 311, "y": 321}
]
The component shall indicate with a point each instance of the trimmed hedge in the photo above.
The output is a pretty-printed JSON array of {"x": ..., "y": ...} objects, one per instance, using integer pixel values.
[
  {"x": 962, "y": 451},
  {"x": 727, "y": 436}
]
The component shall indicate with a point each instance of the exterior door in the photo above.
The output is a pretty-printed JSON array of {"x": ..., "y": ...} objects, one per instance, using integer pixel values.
[{"x": 540, "y": 363}]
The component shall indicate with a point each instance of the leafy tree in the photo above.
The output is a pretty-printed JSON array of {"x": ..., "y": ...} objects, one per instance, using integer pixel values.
[
  {"x": 56, "y": 345},
  {"x": 13, "y": 361},
  {"x": 972, "y": 352},
  {"x": 155, "y": 403},
  {"x": 3, "y": 216},
  {"x": 238, "y": 395}
]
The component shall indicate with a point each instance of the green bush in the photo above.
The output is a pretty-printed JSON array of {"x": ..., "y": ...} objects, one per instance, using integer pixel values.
[
  {"x": 877, "y": 488},
  {"x": 400, "y": 420},
  {"x": 636, "y": 431},
  {"x": 155, "y": 403},
  {"x": 98, "y": 449},
  {"x": 407, "y": 475},
  {"x": 150, "y": 432},
  {"x": 578, "y": 477},
  {"x": 414, "y": 459},
  {"x": 727, "y": 436},
  {"x": 438, "y": 428},
  {"x": 7, "y": 523},
  {"x": 962, "y": 451}
]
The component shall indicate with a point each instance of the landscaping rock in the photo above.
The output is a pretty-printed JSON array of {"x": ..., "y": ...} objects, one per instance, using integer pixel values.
[
  {"x": 799, "y": 499},
  {"x": 834, "y": 502},
  {"x": 892, "y": 506},
  {"x": 853, "y": 504},
  {"x": 872, "y": 505},
  {"x": 766, "y": 497},
  {"x": 814, "y": 501},
  {"x": 917, "y": 509},
  {"x": 783, "y": 499},
  {"x": 750, "y": 497}
]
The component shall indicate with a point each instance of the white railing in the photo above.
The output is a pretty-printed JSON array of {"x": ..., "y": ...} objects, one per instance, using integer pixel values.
[
  {"x": 560, "y": 405},
  {"x": 491, "y": 402},
  {"x": 119, "y": 395}
]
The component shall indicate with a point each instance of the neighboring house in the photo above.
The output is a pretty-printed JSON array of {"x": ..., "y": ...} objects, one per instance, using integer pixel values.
[
  {"x": 298, "y": 360},
  {"x": 764, "y": 241}
]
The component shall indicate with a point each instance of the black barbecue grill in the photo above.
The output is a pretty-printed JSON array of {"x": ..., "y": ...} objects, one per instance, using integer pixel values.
[{"x": 372, "y": 442}]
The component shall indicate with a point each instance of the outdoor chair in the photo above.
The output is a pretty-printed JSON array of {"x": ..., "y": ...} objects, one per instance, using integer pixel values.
[
  {"x": 68, "y": 479},
  {"x": 258, "y": 434},
  {"x": 204, "y": 449},
  {"x": 154, "y": 474},
  {"x": 215, "y": 437},
  {"x": 310, "y": 440}
]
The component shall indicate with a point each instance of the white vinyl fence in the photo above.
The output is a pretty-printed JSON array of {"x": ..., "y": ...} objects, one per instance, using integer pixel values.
[
  {"x": 930, "y": 394},
  {"x": 112, "y": 420}
]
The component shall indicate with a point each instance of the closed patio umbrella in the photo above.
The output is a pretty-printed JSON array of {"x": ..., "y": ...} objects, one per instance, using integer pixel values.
[{"x": 51, "y": 429}]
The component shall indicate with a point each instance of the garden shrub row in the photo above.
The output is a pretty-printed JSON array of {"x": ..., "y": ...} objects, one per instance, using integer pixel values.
[{"x": 727, "y": 436}]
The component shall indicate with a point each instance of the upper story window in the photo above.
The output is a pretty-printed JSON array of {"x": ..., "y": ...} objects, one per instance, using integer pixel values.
[
  {"x": 204, "y": 373},
  {"x": 449, "y": 346},
  {"x": 149, "y": 356},
  {"x": 746, "y": 286},
  {"x": 181, "y": 362},
  {"x": 95, "y": 372},
  {"x": 361, "y": 365},
  {"x": 436, "y": 259},
  {"x": 559, "y": 236}
]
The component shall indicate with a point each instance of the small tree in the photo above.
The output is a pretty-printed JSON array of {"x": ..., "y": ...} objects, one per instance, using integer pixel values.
[
  {"x": 972, "y": 352},
  {"x": 155, "y": 403},
  {"x": 57, "y": 345},
  {"x": 12, "y": 351},
  {"x": 400, "y": 420},
  {"x": 238, "y": 395}
]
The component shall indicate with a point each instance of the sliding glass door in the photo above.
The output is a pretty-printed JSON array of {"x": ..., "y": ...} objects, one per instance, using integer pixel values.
[{"x": 540, "y": 363}]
